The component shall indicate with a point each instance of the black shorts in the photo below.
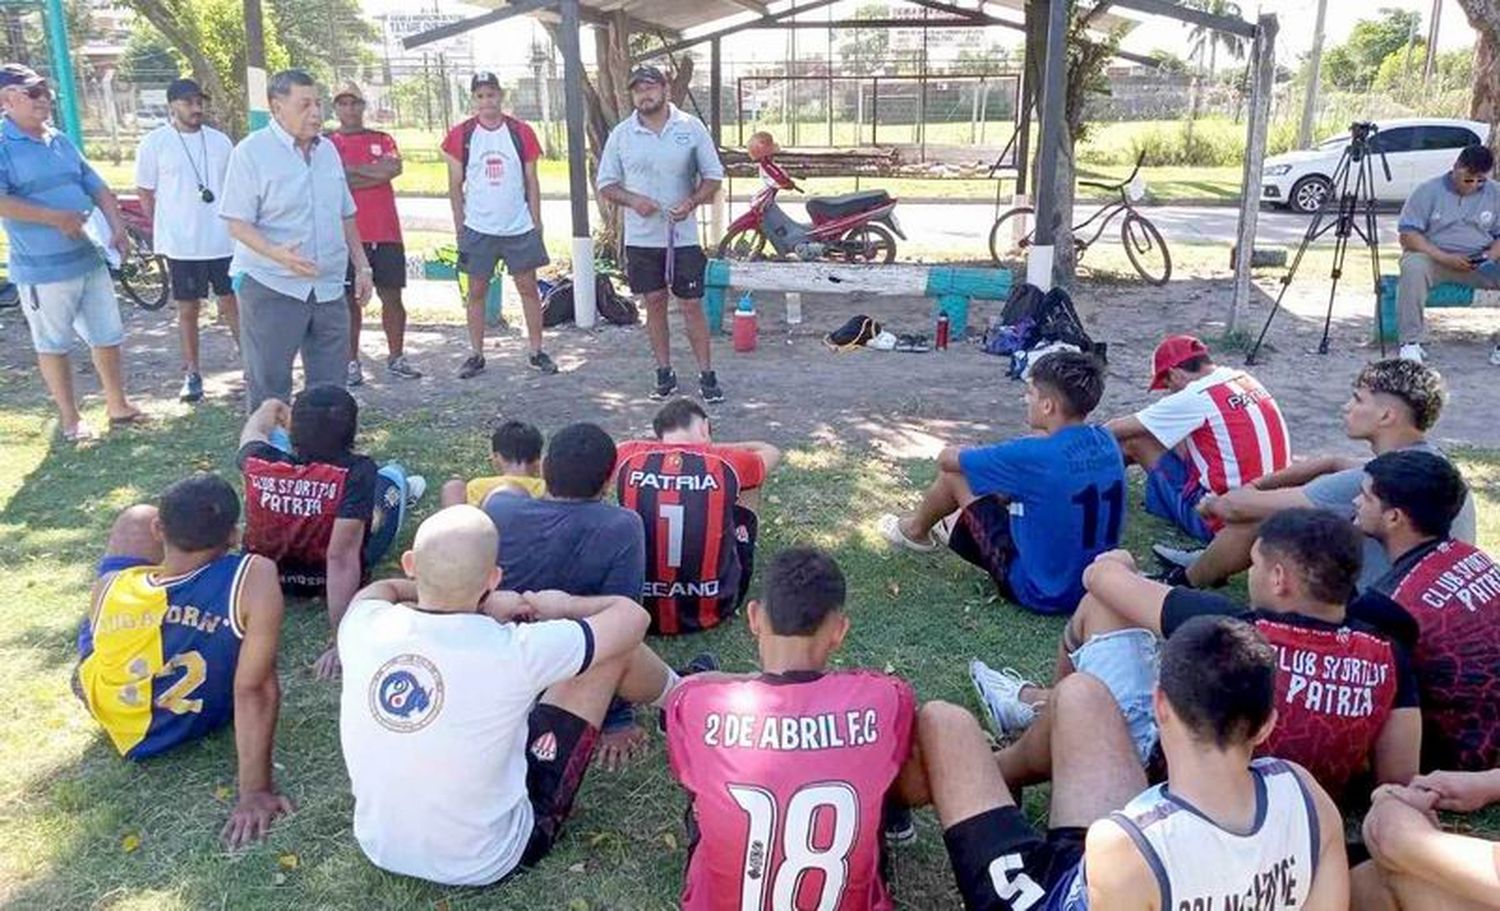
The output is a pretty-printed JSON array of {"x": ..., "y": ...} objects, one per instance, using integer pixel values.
[
  {"x": 982, "y": 537},
  {"x": 387, "y": 263},
  {"x": 646, "y": 270},
  {"x": 559, "y": 746},
  {"x": 1003, "y": 863},
  {"x": 746, "y": 528},
  {"x": 192, "y": 279}
]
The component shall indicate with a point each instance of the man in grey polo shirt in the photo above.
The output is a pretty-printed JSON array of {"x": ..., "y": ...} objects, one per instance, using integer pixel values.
[
  {"x": 289, "y": 210},
  {"x": 660, "y": 165},
  {"x": 1450, "y": 232}
]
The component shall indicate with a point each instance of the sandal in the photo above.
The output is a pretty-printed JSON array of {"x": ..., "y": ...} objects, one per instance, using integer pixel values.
[
  {"x": 890, "y": 529},
  {"x": 82, "y": 433},
  {"x": 132, "y": 419}
]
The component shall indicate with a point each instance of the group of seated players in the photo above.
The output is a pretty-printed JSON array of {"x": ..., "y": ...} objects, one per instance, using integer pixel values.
[{"x": 1202, "y": 753}]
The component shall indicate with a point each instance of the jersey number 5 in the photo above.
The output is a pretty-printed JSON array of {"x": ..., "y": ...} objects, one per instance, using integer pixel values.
[
  {"x": 1093, "y": 501},
  {"x": 836, "y": 798}
]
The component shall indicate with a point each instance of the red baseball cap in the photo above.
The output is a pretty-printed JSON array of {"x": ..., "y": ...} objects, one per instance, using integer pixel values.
[{"x": 1172, "y": 352}]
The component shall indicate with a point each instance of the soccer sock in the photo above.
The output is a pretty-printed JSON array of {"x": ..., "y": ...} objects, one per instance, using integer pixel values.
[{"x": 673, "y": 679}]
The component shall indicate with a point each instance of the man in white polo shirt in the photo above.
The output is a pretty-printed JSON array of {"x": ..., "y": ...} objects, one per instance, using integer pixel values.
[
  {"x": 460, "y": 773},
  {"x": 179, "y": 173}
]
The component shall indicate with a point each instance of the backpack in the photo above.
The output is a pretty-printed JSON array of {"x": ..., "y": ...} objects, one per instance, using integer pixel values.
[
  {"x": 1031, "y": 317},
  {"x": 854, "y": 333},
  {"x": 470, "y": 125},
  {"x": 612, "y": 306}
]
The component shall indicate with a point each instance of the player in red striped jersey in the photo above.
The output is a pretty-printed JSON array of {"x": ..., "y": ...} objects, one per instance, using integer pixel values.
[{"x": 1217, "y": 429}]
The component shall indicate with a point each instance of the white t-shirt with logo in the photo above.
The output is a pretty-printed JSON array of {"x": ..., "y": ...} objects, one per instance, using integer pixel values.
[
  {"x": 495, "y": 184},
  {"x": 177, "y": 166},
  {"x": 433, "y": 724}
]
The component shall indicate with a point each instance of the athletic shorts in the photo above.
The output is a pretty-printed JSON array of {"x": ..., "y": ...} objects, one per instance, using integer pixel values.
[
  {"x": 1126, "y": 661},
  {"x": 1003, "y": 863},
  {"x": 982, "y": 537},
  {"x": 193, "y": 279},
  {"x": 387, "y": 263},
  {"x": 84, "y": 304},
  {"x": 559, "y": 747},
  {"x": 1171, "y": 494},
  {"x": 646, "y": 270},
  {"x": 479, "y": 253},
  {"x": 746, "y": 529}
]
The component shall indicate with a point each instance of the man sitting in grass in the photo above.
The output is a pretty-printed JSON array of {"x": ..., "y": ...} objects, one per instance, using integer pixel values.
[
  {"x": 1034, "y": 511},
  {"x": 762, "y": 756},
  {"x": 699, "y": 498},
  {"x": 469, "y": 714},
  {"x": 1345, "y": 692},
  {"x": 181, "y": 639},
  {"x": 516, "y": 454},
  {"x": 1391, "y": 407}
]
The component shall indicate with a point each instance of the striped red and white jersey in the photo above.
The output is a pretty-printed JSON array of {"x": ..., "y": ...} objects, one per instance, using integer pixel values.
[{"x": 1230, "y": 426}]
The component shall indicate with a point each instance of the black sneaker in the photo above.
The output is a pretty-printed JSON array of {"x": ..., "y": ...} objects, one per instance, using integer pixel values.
[
  {"x": 473, "y": 366},
  {"x": 666, "y": 382},
  {"x": 541, "y": 362},
  {"x": 702, "y": 663},
  {"x": 1175, "y": 576},
  {"x": 708, "y": 387},
  {"x": 192, "y": 388},
  {"x": 898, "y": 825}
]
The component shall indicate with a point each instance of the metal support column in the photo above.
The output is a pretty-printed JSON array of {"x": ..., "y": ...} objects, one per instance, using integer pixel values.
[
  {"x": 62, "y": 71},
  {"x": 578, "y": 175}
]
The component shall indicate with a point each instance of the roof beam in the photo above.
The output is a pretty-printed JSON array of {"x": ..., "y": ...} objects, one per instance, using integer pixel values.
[
  {"x": 950, "y": 8},
  {"x": 758, "y": 7},
  {"x": 516, "y": 8},
  {"x": 730, "y": 30},
  {"x": 1190, "y": 15}
]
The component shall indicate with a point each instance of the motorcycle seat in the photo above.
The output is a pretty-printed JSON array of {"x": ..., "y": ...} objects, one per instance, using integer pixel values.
[{"x": 824, "y": 208}]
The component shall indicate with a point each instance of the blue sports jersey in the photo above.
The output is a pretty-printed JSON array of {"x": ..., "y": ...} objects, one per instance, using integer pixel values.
[
  {"x": 1066, "y": 496},
  {"x": 159, "y": 655}
]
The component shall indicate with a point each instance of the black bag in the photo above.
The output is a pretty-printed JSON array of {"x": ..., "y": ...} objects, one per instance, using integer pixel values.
[
  {"x": 1024, "y": 302},
  {"x": 1057, "y": 321},
  {"x": 612, "y": 306},
  {"x": 854, "y": 333}
]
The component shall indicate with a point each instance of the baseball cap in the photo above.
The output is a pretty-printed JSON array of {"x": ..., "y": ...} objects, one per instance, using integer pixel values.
[
  {"x": 645, "y": 73},
  {"x": 184, "y": 88},
  {"x": 350, "y": 88},
  {"x": 17, "y": 74},
  {"x": 484, "y": 77},
  {"x": 1172, "y": 352}
]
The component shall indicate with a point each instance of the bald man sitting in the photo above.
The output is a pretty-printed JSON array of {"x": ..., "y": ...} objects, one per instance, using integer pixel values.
[{"x": 460, "y": 774}]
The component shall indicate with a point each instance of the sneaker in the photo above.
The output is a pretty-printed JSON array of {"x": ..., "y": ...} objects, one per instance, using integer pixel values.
[
  {"x": 666, "y": 383},
  {"x": 541, "y": 362},
  {"x": 1495, "y": 357},
  {"x": 1176, "y": 556},
  {"x": 1412, "y": 351},
  {"x": 399, "y": 366},
  {"x": 1175, "y": 576},
  {"x": 192, "y": 388},
  {"x": 353, "y": 376},
  {"x": 416, "y": 485},
  {"x": 473, "y": 366},
  {"x": 708, "y": 387},
  {"x": 898, "y": 825},
  {"x": 702, "y": 663},
  {"x": 1000, "y": 693}
]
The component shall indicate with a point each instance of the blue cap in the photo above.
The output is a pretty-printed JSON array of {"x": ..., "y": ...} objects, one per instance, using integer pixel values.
[{"x": 15, "y": 74}]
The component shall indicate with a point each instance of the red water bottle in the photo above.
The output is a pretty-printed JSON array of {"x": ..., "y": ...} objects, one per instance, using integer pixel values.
[{"x": 942, "y": 332}]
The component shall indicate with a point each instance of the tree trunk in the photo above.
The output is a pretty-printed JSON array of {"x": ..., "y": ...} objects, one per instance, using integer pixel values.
[
  {"x": 169, "y": 22},
  {"x": 1484, "y": 104}
]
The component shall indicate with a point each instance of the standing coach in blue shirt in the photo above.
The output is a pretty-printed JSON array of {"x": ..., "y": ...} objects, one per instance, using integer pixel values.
[
  {"x": 47, "y": 191},
  {"x": 291, "y": 215}
]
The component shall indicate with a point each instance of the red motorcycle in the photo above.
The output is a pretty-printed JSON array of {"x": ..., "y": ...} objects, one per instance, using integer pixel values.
[{"x": 856, "y": 227}]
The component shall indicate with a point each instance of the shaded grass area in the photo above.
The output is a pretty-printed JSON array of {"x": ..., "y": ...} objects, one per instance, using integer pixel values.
[{"x": 81, "y": 828}]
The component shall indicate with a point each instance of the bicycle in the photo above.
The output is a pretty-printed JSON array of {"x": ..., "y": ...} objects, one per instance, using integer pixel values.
[
  {"x": 1143, "y": 243},
  {"x": 141, "y": 275}
]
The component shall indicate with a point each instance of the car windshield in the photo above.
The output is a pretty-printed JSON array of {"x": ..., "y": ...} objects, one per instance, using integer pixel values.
[{"x": 1333, "y": 142}]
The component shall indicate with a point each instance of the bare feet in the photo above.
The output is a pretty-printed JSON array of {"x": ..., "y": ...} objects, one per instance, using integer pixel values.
[{"x": 617, "y": 749}]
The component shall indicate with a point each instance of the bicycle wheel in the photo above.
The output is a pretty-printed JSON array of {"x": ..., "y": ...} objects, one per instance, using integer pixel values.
[
  {"x": 143, "y": 275},
  {"x": 1147, "y": 250},
  {"x": 1011, "y": 236},
  {"x": 743, "y": 244},
  {"x": 869, "y": 244}
]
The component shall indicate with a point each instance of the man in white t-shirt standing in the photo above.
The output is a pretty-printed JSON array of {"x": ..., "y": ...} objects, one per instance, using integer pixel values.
[
  {"x": 460, "y": 773},
  {"x": 1216, "y": 429},
  {"x": 179, "y": 173},
  {"x": 497, "y": 214}
]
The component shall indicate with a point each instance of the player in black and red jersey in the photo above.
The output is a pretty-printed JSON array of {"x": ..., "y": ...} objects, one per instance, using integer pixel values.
[{"x": 698, "y": 500}]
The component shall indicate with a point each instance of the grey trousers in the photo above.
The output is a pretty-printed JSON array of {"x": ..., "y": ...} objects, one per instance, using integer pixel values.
[
  {"x": 275, "y": 326},
  {"x": 1419, "y": 273}
]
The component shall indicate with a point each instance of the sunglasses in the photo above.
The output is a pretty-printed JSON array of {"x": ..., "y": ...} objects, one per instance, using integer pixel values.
[{"x": 37, "y": 92}]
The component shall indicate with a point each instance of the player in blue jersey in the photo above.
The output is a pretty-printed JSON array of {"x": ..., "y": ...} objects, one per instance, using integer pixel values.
[
  {"x": 1033, "y": 512},
  {"x": 181, "y": 638}
]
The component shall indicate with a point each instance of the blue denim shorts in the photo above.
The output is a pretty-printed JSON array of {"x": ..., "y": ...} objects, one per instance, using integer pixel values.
[
  {"x": 1126, "y": 661},
  {"x": 84, "y": 305}
]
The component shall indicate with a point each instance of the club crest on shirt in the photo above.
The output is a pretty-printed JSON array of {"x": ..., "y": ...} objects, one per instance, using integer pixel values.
[
  {"x": 683, "y": 139},
  {"x": 1486, "y": 217},
  {"x": 494, "y": 167},
  {"x": 376, "y": 150},
  {"x": 406, "y": 694},
  {"x": 544, "y": 748}
]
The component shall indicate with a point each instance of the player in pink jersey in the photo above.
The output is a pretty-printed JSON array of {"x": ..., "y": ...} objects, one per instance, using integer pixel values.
[
  {"x": 1216, "y": 429},
  {"x": 788, "y": 770}
]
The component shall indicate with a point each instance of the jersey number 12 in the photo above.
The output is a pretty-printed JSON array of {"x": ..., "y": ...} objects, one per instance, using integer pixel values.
[{"x": 799, "y": 855}]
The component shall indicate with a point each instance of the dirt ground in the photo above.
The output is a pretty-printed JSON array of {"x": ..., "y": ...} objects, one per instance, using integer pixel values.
[{"x": 793, "y": 389}]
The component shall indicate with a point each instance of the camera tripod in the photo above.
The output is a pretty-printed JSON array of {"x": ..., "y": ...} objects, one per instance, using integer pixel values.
[{"x": 1353, "y": 214}]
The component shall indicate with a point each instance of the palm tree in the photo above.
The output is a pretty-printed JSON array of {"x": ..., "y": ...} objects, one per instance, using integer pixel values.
[{"x": 1205, "y": 40}]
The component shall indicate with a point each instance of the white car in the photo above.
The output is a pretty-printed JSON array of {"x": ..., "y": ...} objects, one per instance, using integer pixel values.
[{"x": 1414, "y": 149}]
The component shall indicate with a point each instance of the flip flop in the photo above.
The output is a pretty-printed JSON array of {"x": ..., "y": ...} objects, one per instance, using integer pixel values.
[
  {"x": 890, "y": 529},
  {"x": 137, "y": 418},
  {"x": 83, "y": 433}
]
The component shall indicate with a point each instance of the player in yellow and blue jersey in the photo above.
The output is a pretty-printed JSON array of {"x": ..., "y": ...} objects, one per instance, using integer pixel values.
[{"x": 181, "y": 639}]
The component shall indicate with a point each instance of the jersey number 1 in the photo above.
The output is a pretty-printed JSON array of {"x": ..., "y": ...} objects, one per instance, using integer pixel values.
[
  {"x": 673, "y": 514},
  {"x": 799, "y": 854},
  {"x": 1093, "y": 500}
]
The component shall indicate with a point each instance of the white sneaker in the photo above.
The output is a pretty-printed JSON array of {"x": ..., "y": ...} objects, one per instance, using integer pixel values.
[
  {"x": 1412, "y": 351},
  {"x": 353, "y": 376},
  {"x": 1176, "y": 556},
  {"x": 1000, "y": 693},
  {"x": 416, "y": 485},
  {"x": 1495, "y": 357}
]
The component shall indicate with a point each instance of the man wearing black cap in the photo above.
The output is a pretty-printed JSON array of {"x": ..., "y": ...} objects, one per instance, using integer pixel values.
[
  {"x": 179, "y": 173},
  {"x": 47, "y": 192},
  {"x": 660, "y": 165},
  {"x": 497, "y": 214}
]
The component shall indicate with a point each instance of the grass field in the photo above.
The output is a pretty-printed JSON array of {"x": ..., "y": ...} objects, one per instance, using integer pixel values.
[{"x": 82, "y": 829}]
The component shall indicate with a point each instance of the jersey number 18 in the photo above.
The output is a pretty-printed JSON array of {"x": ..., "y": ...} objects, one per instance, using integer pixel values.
[{"x": 836, "y": 798}]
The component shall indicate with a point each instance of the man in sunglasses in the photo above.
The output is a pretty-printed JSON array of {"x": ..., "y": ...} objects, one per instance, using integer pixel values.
[
  {"x": 1450, "y": 232},
  {"x": 47, "y": 193}
]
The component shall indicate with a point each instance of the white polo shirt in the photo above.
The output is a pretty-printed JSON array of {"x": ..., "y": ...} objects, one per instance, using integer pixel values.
[
  {"x": 433, "y": 724},
  {"x": 177, "y": 166}
]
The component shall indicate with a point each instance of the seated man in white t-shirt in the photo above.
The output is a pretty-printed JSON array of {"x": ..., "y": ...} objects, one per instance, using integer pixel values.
[{"x": 460, "y": 773}]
